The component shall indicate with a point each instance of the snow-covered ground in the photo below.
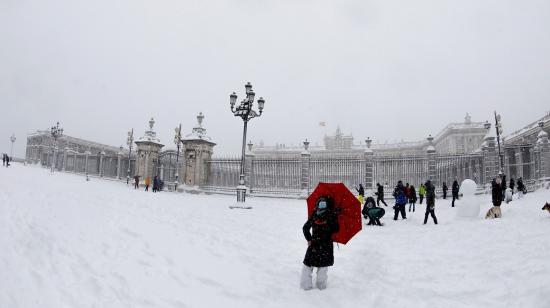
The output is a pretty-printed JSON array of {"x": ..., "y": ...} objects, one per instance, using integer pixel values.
[{"x": 71, "y": 243}]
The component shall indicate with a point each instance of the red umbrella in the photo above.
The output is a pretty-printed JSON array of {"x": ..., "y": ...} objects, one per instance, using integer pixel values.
[{"x": 346, "y": 204}]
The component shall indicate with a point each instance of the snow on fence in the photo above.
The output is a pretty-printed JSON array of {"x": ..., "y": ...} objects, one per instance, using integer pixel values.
[{"x": 285, "y": 175}]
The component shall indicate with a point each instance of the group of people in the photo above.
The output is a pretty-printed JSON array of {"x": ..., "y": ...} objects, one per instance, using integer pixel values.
[
  {"x": 158, "y": 184},
  {"x": 498, "y": 193},
  {"x": 323, "y": 223},
  {"x": 404, "y": 194},
  {"x": 5, "y": 160}
]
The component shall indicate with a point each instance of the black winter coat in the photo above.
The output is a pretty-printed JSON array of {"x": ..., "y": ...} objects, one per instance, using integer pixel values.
[
  {"x": 380, "y": 193},
  {"x": 456, "y": 189},
  {"x": 321, "y": 251},
  {"x": 496, "y": 193},
  {"x": 412, "y": 195},
  {"x": 430, "y": 195},
  {"x": 512, "y": 184}
]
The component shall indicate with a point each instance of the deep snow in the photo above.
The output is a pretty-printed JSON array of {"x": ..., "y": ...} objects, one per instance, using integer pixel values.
[{"x": 71, "y": 243}]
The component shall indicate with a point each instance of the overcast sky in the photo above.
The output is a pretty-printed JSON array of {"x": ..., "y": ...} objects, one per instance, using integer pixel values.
[{"x": 386, "y": 69}]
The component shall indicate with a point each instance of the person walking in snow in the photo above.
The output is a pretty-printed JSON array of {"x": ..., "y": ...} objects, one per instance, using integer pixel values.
[
  {"x": 155, "y": 184},
  {"x": 445, "y": 189},
  {"x": 3, "y": 159},
  {"x": 7, "y": 161},
  {"x": 147, "y": 182},
  {"x": 512, "y": 185},
  {"x": 421, "y": 192},
  {"x": 455, "y": 190},
  {"x": 412, "y": 198},
  {"x": 361, "y": 192},
  {"x": 521, "y": 186},
  {"x": 323, "y": 223},
  {"x": 503, "y": 185},
  {"x": 496, "y": 196},
  {"x": 400, "y": 201},
  {"x": 380, "y": 194},
  {"x": 136, "y": 182},
  {"x": 430, "y": 202}
]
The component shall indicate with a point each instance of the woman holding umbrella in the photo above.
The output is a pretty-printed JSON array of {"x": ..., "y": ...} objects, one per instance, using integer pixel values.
[{"x": 320, "y": 251}]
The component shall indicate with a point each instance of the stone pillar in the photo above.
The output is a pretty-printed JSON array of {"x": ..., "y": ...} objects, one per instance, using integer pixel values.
[
  {"x": 519, "y": 162},
  {"x": 148, "y": 150},
  {"x": 65, "y": 152},
  {"x": 119, "y": 164},
  {"x": 101, "y": 159},
  {"x": 369, "y": 165},
  {"x": 248, "y": 168},
  {"x": 536, "y": 161},
  {"x": 544, "y": 155},
  {"x": 305, "y": 159},
  {"x": 87, "y": 153},
  {"x": 430, "y": 153},
  {"x": 197, "y": 150}
]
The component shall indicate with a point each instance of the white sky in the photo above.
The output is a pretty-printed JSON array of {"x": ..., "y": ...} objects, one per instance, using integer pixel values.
[{"x": 386, "y": 69}]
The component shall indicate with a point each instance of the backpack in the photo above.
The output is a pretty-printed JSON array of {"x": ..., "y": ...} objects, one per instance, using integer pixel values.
[{"x": 401, "y": 198}]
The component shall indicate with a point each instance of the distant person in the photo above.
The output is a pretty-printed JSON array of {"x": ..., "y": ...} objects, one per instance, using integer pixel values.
[
  {"x": 407, "y": 191},
  {"x": 323, "y": 223},
  {"x": 400, "y": 201},
  {"x": 361, "y": 192},
  {"x": 136, "y": 182},
  {"x": 147, "y": 183},
  {"x": 380, "y": 194},
  {"x": 3, "y": 159},
  {"x": 512, "y": 185},
  {"x": 496, "y": 196},
  {"x": 430, "y": 202},
  {"x": 521, "y": 186},
  {"x": 7, "y": 161},
  {"x": 155, "y": 184},
  {"x": 455, "y": 190},
  {"x": 421, "y": 192},
  {"x": 372, "y": 212},
  {"x": 445, "y": 189},
  {"x": 503, "y": 185},
  {"x": 412, "y": 198}
]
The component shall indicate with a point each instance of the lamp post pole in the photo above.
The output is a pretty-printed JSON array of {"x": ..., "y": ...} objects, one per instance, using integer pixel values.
[
  {"x": 246, "y": 113},
  {"x": 12, "y": 139},
  {"x": 498, "y": 125},
  {"x": 177, "y": 141},
  {"x": 55, "y": 132},
  {"x": 130, "y": 143}
]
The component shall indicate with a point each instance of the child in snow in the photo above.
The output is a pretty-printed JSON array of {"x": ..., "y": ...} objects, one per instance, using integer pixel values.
[
  {"x": 372, "y": 212},
  {"x": 320, "y": 251},
  {"x": 147, "y": 182}
]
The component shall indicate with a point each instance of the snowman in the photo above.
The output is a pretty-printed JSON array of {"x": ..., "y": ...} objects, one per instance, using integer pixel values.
[{"x": 468, "y": 206}]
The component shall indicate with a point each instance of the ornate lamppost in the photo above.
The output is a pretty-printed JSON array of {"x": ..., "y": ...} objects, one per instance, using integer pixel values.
[
  {"x": 130, "y": 143},
  {"x": 12, "y": 139},
  {"x": 177, "y": 141},
  {"x": 55, "y": 132},
  {"x": 245, "y": 112},
  {"x": 498, "y": 125}
]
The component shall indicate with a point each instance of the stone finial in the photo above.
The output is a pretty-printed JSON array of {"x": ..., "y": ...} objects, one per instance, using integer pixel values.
[
  {"x": 151, "y": 123},
  {"x": 430, "y": 139},
  {"x": 250, "y": 144},
  {"x": 368, "y": 142},
  {"x": 306, "y": 145},
  {"x": 200, "y": 117},
  {"x": 468, "y": 119}
]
